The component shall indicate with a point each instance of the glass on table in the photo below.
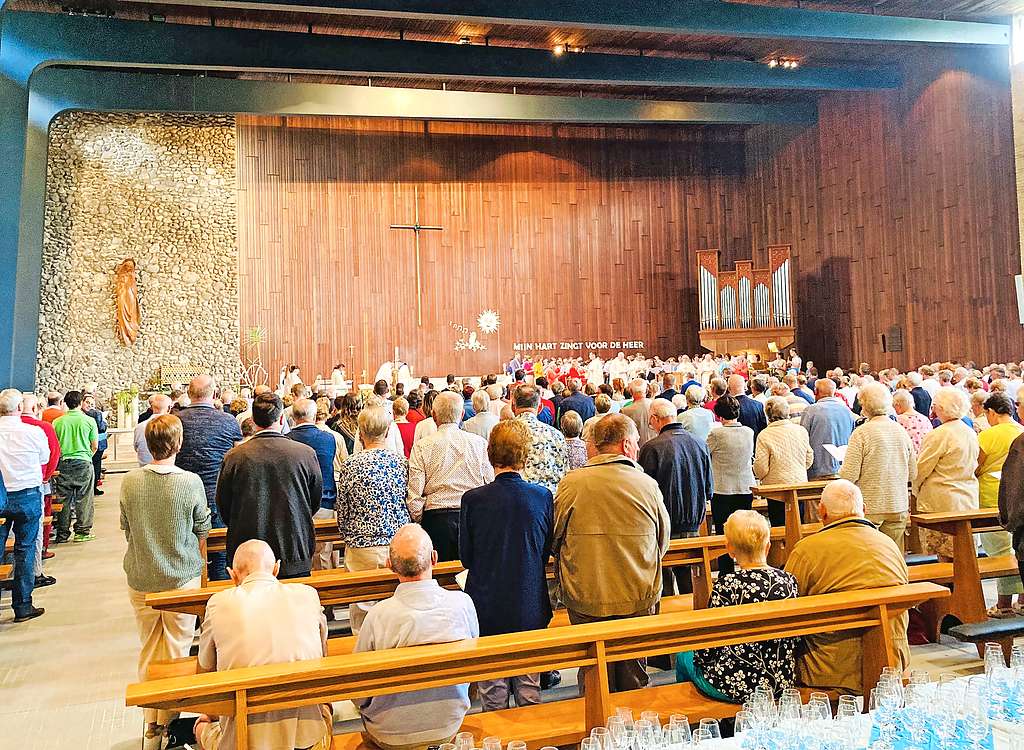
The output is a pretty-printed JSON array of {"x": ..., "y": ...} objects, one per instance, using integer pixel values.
[
  {"x": 447, "y": 746},
  {"x": 790, "y": 696},
  {"x": 712, "y": 726},
  {"x": 464, "y": 741},
  {"x": 602, "y": 737},
  {"x": 517, "y": 745},
  {"x": 744, "y": 722},
  {"x": 590, "y": 743},
  {"x": 701, "y": 736},
  {"x": 652, "y": 716},
  {"x": 492, "y": 743},
  {"x": 626, "y": 714},
  {"x": 645, "y": 736},
  {"x": 678, "y": 731},
  {"x": 920, "y": 677}
]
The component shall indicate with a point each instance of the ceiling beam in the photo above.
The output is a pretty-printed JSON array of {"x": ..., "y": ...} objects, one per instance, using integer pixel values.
[
  {"x": 100, "y": 41},
  {"x": 694, "y": 17}
]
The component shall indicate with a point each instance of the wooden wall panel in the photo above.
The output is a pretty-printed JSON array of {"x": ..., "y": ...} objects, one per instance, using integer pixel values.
[
  {"x": 901, "y": 209},
  {"x": 568, "y": 233}
]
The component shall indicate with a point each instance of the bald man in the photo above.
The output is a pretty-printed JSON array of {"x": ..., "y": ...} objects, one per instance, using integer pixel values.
[
  {"x": 207, "y": 435},
  {"x": 31, "y": 414},
  {"x": 159, "y": 403},
  {"x": 263, "y": 621},
  {"x": 419, "y": 613},
  {"x": 751, "y": 410}
]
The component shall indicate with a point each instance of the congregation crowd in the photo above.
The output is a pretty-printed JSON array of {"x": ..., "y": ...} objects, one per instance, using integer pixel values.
[{"x": 597, "y": 465}]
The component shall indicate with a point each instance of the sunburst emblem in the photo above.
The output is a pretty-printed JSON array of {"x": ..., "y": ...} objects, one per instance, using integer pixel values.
[{"x": 488, "y": 321}]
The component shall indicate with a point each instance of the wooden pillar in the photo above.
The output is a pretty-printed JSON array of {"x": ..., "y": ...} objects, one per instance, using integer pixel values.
[
  {"x": 877, "y": 651},
  {"x": 241, "y": 720},
  {"x": 596, "y": 692}
]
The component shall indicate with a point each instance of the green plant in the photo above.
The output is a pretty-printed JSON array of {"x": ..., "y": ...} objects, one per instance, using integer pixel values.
[{"x": 125, "y": 397}]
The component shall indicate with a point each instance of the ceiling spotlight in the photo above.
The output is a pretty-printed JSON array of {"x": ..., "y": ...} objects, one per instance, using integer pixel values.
[
  {"x": 558, "y": 50},
  {"x": 464, "y": 40},
  {"x": 773, "y": 63}
]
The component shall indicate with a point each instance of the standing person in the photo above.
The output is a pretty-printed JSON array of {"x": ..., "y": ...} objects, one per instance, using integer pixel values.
[
  {"x": 640, "y": 410},
  {"x": 732, "y": 454},
  {"x": 782, "y": 455},
  {"x": 572, "y": 428},
  {"x": 78, "y": 436},
  {"x": 53, "y": 408},
  {"x": 916, "y": 424},
  {"x": 548, "y": 461},
  {"x": 1011, "y": 496},
  {"x": 577, "y": 401},
  {"x": 505, "y": 535},
  {"x": 208, "y": 434},
  {"x": 400, "y": 410},
  {"x": 751, "y": 411},
  {"x": 371, "y": 505},
  {"x": 945, "y": 478},
  {"x": 269, "y": 488},
  {"x": 681, "y": 465},
  {"x": 30, "y": 415},
  {"x": 611, "y": 532},
  {"x": 306, "y": 432},
  {"x": 428, "y": 426},
  {"x": 695, "y": 419},
  {"x": 828, "y": 421},
  {"x": 441, "y": 468},
  {"x": 23, "y": 453},
  {"x": 484, "y": 419},
  {"x": 159, "y": 403},
  {"x": 163, "y": 515},
  {"x": 90, "y": 407},
  {"x": 881, "y": 462},
  {"x": 994, "y": 444}
]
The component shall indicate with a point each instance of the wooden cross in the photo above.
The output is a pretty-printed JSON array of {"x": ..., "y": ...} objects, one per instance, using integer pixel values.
[{"x": 416, "y": 228}]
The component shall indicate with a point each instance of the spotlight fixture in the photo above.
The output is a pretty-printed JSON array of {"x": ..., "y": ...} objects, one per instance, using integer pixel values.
[
  {"x": 558, "y": 50},
  {"x": 773, "y": 63},
  {"x": 464, "y": 39}
]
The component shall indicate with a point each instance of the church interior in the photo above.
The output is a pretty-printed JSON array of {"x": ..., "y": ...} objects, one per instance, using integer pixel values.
[{"x": 333, "y": 219}]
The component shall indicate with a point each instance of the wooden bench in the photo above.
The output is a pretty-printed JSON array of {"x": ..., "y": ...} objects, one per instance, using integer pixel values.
[
  {"x": 339, "y": 587},
  {"x": 243, "y": 692},
  {"x": 794, "y": 496},
  {"x": 966, "y": 572}
]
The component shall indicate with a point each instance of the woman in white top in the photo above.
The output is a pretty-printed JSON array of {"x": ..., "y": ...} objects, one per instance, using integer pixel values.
[
  {"x": 426, "y": 427},
  {"x": 291, "y": 378},
  {"x": 732, "y": 451}
]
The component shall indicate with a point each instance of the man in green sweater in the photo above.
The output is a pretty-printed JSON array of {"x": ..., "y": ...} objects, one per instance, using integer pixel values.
[{"x": 73, "y": 484}]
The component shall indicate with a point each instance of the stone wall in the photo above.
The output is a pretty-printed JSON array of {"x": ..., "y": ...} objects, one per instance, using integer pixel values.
[{"x": 157, "y": 188}]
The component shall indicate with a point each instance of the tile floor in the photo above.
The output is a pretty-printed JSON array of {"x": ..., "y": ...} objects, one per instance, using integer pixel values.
[{"x": 62, "y": 676}]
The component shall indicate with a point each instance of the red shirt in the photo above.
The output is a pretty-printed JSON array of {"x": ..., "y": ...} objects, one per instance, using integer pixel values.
[
  {"x": 408, "y": 431},
  {"x": 415, "y": 415},
  {"x": 51, "y": 439}
]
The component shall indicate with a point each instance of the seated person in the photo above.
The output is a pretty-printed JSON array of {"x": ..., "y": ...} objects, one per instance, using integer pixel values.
[
  {"x": 263, "y": 621},
  {"x": 419, "y": 613},
  {"x": 733, "y": 673},
  {"x": 848, "y": 554}
]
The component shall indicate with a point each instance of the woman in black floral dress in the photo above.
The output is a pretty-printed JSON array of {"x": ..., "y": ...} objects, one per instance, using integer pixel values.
[{"x": 733, "y": 673}]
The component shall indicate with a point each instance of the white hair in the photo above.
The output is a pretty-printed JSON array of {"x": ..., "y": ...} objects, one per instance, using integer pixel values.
[
  {"x": 952, "y": 402},
  {"x": 903, "y": 398},
  {"x": 914, "y": 378},
  {"x": 10, "y": 400},
  {"x": 481, "y": 401},
  {"x": 374, "y": 422},
  {"x": 304, "y": 410},
  {"x": 875, "y": 400},
  {"x": 638, "y": 387},
  {"x": 842, "y": 499},
  {"x": 662, "y": 408},
  {"x": 776, "y": 409},
  {"x": 695, "y": 395},
  {"x": 448, "y": 408}
]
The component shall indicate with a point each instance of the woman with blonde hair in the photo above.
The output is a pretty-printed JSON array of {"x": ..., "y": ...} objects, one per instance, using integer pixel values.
[
  {"x": 783, "y": 454},
  {"x": 945, "y": 478},
  {"x": 734, "y": 673}
]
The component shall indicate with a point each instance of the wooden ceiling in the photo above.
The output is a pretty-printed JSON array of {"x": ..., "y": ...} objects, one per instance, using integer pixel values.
[{"x": 605, "y": 41}]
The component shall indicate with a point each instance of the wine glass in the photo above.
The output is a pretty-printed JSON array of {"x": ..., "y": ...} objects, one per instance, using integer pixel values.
[
  {"x": 626, "y": 714},
  {"x": 603, "y": 738},
  {"x": 701, "y": 736},
  {"x": 517, "y": 745},
  {"x": 464, "y": 741},
  {"x": 492, "y": 743},
  {"x": 590, "y": 743}
]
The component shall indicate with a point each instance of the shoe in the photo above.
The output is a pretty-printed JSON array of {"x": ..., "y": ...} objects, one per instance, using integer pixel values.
[
  {"x": 60, "y": 540},
  {"x": 84, "y": 538},
  {"x": 44, "y": 580},
  {"x": 998, "y": 613},
  {"x": 30, "y": 615},
  {"x": 49, "y": 555},
  {"x": 549, "y": 680},
  {"x": 97, "y": 491}
]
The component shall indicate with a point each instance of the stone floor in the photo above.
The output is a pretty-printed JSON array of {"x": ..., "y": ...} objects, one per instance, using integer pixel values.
[{"x": 62, "y": 676}]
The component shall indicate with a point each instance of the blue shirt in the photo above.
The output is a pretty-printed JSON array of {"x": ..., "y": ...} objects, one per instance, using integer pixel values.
[
  {"x": 826, "y": 421},
  {"x": 579, "y": 403},
  {"x": 325, "y": 448},
  {"x": 207, "y": 435}
]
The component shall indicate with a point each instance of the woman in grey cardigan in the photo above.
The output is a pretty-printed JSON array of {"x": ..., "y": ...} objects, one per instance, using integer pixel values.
[
  {"x": 732, "y": 456},
  {"x": 164, "y": 515}
]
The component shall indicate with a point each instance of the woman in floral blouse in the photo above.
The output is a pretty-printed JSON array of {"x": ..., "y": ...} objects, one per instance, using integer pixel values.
[
  {"x": 572, "y": 426},
  {"x": 733, "y": 673},
  {"x": 371, "y": 500}
]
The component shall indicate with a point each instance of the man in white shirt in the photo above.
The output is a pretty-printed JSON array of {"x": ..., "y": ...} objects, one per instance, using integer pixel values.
[
  {"x": 928, "y": 382},
  {"x": 420, "y": 612},
  {"x": 24, "y": 451},
  {"x": 483, "y": 422},
  {"x": 159, "y": 403},
  {"x": 263, "y": 621},
  {"x": 442, "y": 466}
]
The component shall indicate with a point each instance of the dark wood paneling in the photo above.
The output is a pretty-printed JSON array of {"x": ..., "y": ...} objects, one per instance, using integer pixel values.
[
  {"x": 569, "y": 233},
  {"x": 901, "y": 209}
]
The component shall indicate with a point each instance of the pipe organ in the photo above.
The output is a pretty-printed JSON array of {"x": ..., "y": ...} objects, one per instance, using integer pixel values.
[{"x": 747, "y": 308}]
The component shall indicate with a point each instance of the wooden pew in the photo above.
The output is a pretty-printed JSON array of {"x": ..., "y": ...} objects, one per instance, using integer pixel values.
[
  {"x": 967, "y": 571},
  {"x": 339, "y": 587},
  {"x": 794, "y": 496},
  {"x": 324, "y": 529},
  {"x": 253, "y": 690}
]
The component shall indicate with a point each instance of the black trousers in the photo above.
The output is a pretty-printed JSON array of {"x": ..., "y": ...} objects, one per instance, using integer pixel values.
[
  {"x": 723, "y": 506},
  {"x": 97, "y": 467},
  {"x": 442, "y": 526},
  {"x": 677, "y": 580},
  {"x": 777, "y": 513}
]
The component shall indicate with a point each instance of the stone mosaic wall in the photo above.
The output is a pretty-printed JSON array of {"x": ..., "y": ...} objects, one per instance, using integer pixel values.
[{"x": 157, "y": 188}]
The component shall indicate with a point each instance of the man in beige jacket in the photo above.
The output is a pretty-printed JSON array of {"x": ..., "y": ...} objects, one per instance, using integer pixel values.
[
  {"x": 611, "y": 532},
  {"x": 848, "y": 554}
]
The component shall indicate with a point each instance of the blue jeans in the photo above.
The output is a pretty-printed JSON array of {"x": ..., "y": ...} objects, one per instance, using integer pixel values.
[
  {"x": 24, "y": 513},
  {"x": 216, "y": 562}
]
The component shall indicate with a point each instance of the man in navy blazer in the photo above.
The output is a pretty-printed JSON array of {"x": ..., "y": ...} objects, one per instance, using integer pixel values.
[{"x": 751, "y": 410}]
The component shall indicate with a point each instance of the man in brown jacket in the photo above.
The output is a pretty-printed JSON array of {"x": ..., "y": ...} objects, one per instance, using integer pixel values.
[
  {"x": 848, "y": 554},
  {"x": 611, "y": 532}
]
